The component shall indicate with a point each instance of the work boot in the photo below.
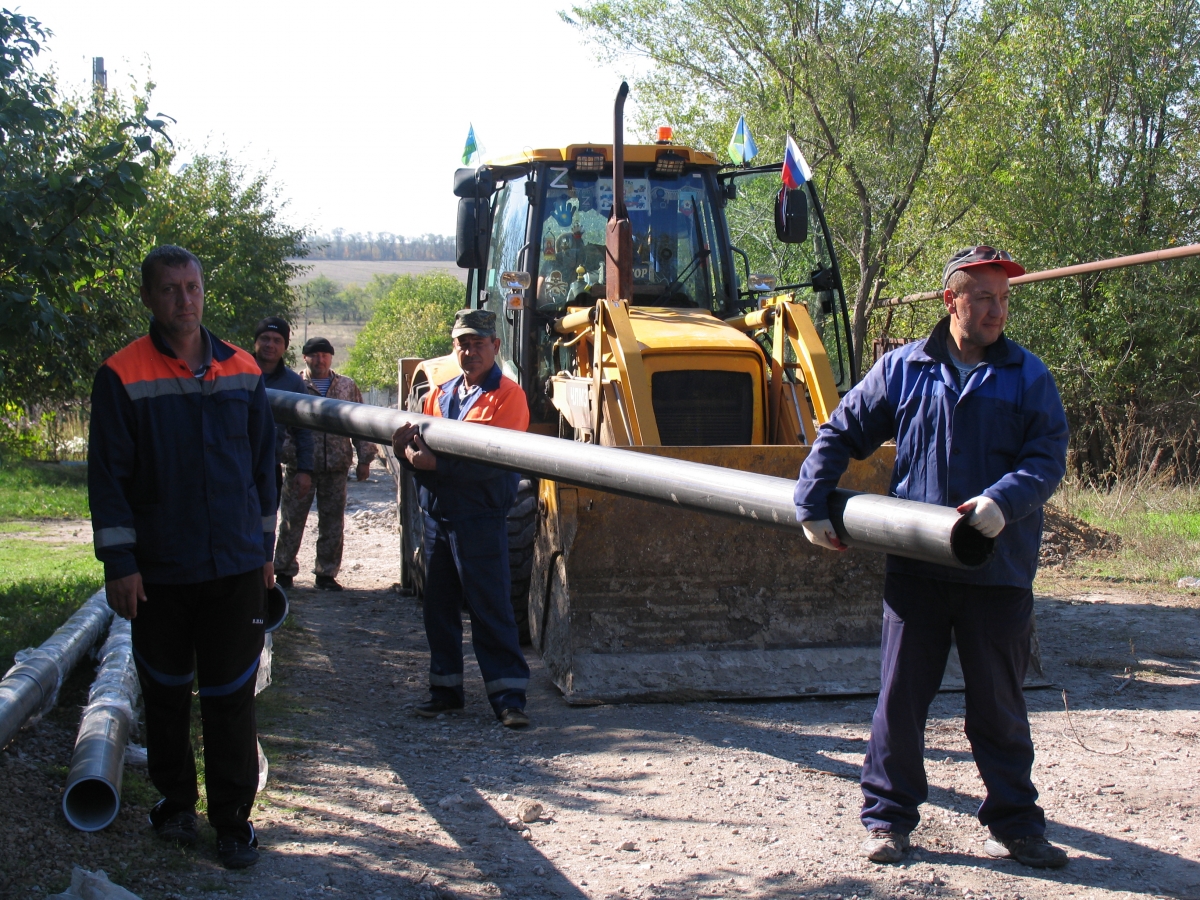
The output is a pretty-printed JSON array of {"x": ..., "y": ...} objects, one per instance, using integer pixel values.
[
  {"x": 327, "y": 583},
  {"x": 174, "y": 823},
  {"x": 1033, "y": 850},
  {"x": 513, "y": 718},
  {"x": 434, "y": 707},
  {"x": 886, "y": 846},
  {"x": 235, "y": 850},
  {"x": 284, "y": 581}
]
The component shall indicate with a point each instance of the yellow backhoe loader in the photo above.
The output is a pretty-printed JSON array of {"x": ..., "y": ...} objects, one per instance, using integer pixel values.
[{"x": 632, "y": 319}]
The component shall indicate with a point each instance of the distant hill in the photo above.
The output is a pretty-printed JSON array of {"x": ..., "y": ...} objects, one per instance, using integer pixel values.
[
  {"x": 380, "y": 247},
  {"x": 350, "y": 271}
]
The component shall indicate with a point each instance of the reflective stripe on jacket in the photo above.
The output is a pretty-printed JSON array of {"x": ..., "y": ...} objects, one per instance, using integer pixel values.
[
  {"x": 181, "y": 470},
  {"x": 461, "y": 489},
  {"x": 1004, "y": 435}
]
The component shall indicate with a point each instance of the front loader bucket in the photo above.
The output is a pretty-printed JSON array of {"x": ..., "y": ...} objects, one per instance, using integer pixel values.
[{"x": 632, "y": 600}]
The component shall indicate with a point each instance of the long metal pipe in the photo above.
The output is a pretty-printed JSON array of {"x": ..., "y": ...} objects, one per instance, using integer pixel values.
[
  {"x": 917, "y": 530},
  {"x": 31, "y": 686},
  {"x": 1102, "y": 265},
  {"x": 92, "y": 798}
]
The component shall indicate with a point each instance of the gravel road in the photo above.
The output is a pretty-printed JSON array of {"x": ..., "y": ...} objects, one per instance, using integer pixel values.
[{"x": 754, "y": 800}]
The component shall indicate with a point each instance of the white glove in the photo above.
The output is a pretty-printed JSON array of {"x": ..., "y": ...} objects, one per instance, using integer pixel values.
[
  {"x": 986, "y": 517},
  {"x": 821, "y": 533}
]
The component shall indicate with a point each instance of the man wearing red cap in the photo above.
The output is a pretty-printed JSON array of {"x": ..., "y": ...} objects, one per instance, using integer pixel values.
[{"x": 979, "y": 426}]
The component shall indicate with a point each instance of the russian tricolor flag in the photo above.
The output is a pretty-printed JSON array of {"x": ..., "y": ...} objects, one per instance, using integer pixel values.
[{"x": 795, "y": 167}]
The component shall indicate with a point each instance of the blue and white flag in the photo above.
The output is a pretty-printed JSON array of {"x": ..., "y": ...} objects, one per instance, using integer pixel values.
[
  {"x": 471, "y": 147},
  {"x": 742, "y": 148}
]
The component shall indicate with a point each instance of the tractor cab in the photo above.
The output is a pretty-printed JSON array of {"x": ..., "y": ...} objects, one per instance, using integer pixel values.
[{"x": 532, "y": 231}]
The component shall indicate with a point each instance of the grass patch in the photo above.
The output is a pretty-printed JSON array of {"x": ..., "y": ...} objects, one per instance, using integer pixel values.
[
  {"x": 41, "y": 584},
  {"x": 1159, "y": 529},
  {"x": 33, "y": 490},
  {"x": 136, "y": 789}
]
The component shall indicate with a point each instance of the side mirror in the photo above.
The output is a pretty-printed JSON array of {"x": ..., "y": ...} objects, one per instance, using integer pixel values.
[
  {"x": 762, "y": 283},
  {"x": 479, "y": 182},
  {"x": 791, "y": 216},
  {"x": 471, "y": 235},
  {"x": 515, "y": 281}
]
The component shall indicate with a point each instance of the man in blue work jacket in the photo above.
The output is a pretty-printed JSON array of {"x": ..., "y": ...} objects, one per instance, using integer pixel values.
[
  {"x": 978, "y": 425},
  {"x": 181, "y": 484},
  {"x": 466, "y": 506},
  {"x": 271, "y": 338}
]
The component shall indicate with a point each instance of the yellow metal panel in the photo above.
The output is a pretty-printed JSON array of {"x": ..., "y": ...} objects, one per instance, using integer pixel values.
[
  {"x": 628, "y": 357},
  {"x": 686, "y": 331},
  {"x": 441, "y": 369},
  {"x": 634, "y": 153},
  {"x": 814, "y": 361},
  {"x": 776, "y": 389}
]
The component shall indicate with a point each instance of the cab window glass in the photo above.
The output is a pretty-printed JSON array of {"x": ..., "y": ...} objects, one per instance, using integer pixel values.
[
  {"x": 674, "y": 239},
  {"x": 509, "y": 222},
  {"x": 752, "y": 232}
]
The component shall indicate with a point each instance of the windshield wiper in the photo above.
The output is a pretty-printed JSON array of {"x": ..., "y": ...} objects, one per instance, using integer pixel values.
[{"x": 700, "y": 256}]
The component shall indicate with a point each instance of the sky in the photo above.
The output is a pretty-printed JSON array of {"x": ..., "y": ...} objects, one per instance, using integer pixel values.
[{"x": 358, "y": 110}]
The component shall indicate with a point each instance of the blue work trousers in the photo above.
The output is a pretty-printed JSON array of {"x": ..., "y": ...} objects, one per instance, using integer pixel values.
[
  {"x": 992, "y": 626},
  {"x": 466, "y": 564}
]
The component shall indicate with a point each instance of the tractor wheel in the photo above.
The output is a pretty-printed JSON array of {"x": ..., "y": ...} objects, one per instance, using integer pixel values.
[
  {"x": 409, "y": 515},
  {"x": 522, "y": 529},
  {"x": 412, "y": 536}
]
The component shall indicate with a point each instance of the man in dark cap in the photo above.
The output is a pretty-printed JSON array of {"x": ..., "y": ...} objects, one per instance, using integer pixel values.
[
  {"x": 466, "y": 532},
  {"x": 979, "y": 426},
  {"x": 271, "y": 338},
  {"x": 332, "y": 457}
]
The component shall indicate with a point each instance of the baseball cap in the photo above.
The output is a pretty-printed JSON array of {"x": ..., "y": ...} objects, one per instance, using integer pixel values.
[
  {"x": 474, "y": 321},
  {"x": 317, "y": 345},
  {"x": 276, "y": 324},
  {"x": 983, "y": 255}
]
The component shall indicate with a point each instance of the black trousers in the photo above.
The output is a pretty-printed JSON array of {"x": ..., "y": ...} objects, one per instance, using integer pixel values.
[
  {"x": 210, "y": 633},
  {"x": 992, "y": 626}
]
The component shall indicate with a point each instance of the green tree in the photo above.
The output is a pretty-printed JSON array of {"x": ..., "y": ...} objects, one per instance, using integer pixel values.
[
  {"x": 233, "y": 221},
  {"x": 1105, "y": 163},
  {"x": 321, "y": 294},
  {"x": 414, "y": 319},
  {"x": 71, "y": 176},
  {"x": 874, "y": 94}
]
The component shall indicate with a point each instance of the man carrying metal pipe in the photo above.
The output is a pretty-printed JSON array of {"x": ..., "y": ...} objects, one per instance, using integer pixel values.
[
  {"x": 181, "y": 482},
  {"x": 466, "y": 530},
  {"x": 978, "y": 425}
]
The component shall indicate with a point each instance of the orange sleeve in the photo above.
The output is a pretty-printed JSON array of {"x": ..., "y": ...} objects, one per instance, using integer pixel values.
[
  {"x": 511, "y": 410},
  {"x": 432, "y": 408}
]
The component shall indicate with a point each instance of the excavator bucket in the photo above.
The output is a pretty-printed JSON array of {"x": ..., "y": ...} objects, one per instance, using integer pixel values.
[{"x": 634, "y": 601}]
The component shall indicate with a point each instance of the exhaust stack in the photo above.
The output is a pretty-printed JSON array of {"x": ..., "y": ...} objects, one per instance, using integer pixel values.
[{"x": 618, "y": 240}]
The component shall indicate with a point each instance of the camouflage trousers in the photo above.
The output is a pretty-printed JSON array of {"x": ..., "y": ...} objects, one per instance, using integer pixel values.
[{"x": 330, "y": 488}]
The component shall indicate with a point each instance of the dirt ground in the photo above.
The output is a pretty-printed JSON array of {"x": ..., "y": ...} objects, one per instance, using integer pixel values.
[{"x": 721, "y": 799}]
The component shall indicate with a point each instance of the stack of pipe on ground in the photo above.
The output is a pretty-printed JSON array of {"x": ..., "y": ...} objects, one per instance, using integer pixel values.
[
  {"x": 30, "y": 688},
  {"x": 93, "y": 794}
]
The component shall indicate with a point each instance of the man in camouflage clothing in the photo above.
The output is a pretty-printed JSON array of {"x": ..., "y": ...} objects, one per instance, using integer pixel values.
[{"x": 332, "y": 458}]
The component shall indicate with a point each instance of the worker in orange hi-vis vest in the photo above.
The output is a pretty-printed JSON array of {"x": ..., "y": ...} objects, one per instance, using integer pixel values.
[
  {"x": 181, "y": 482},
  {"x": 466, "y": 533}
]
